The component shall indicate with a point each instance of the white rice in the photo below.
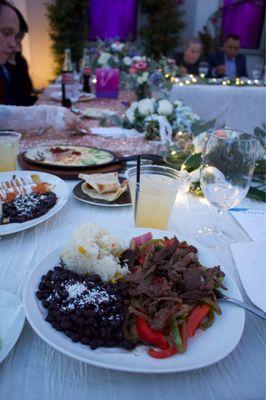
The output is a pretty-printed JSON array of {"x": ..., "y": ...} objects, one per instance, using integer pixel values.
[{"x": 92, "y": 249}]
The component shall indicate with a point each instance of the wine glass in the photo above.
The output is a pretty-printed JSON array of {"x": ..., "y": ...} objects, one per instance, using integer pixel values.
[
  {"x": 257, "y": 72},
  {"x": 203, "y": 68},
  {"x": 227, "y": 165}
]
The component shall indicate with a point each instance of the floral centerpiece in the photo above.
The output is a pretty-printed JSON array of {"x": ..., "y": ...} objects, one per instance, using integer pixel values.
[{"x": 160, "y": 119}]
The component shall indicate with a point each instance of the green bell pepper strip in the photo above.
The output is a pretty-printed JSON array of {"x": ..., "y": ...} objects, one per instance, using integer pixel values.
[
  {"x": 176, "y": 335},
  {"x": 213, "y": 306},
  {"x": 209, "y": 321}
]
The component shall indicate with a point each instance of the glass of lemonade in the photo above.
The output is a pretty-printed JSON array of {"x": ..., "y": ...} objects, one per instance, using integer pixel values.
[
  {"x": 9, "y": 146},
  {"x": 156, "y": 194}
]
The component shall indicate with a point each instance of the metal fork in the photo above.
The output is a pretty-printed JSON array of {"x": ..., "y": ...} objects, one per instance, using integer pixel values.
[{"x": 252, "y": 309}]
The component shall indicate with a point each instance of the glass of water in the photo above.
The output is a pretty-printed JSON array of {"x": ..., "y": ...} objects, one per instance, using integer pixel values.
[{"x": 228, "y": 159}]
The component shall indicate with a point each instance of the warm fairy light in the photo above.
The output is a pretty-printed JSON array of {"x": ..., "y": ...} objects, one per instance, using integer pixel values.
[
  {"x": 242, "y": 82},
  {"x": 176, "y": 80},
  {"x": 224, "y": 83},
  {"x": 194, "y": 79},
  {"x": 237, "y": 82},
  {"x": 172, "y": 79},
  {"x": 181, "y": 84},
  {"x": 94, "y": 80},
  {"x": 187, "y": 82},
  {"x": 183, "y": 167},
  {"x": 214, "y": 79},
  {"x": 249, "y": 82},
  {"x": 167, "y": 75},
  {"x": 180, "y": 133},
  {"x": 256, "y": 81},
  {"x": 173, "y": 152},
  {"x": 202, "y": 75},
  {"x": 191, "y": 76}
]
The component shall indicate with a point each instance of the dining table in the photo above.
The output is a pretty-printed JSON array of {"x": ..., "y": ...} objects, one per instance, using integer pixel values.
[
  {"x": 238, "y": 107},
  {"x": 34, "y": 370}
]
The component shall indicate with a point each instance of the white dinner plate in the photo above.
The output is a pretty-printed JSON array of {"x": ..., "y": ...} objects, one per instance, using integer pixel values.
[
  {"x": 60, "y": 189},
  {"x": 12, "y": 318},
  {"x": 57, "y": 96},
  {"x": 205, "y": 348}
]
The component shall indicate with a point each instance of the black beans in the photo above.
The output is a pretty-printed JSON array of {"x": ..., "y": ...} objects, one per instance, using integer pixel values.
[{"x": 86, "y": 309}]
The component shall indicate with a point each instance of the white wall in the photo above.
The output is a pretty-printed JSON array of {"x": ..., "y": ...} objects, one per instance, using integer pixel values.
[{"x": 36, "y": 45}]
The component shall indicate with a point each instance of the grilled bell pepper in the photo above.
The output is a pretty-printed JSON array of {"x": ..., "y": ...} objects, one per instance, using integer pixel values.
[
  {"x": 209, "y": 321},
  {"x": 163, "y": 353},
  {"x": 184, "y": 335},
  {"x": 195, "y": 318},
  {"x": 149, "y": 335},
  {"x": 213, "y": 306},
  {"x": 176, "y": 336}
]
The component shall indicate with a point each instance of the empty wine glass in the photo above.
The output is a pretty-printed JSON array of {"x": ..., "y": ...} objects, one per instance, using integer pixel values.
[
  {"x": 203, "y": 68},
  {"x": 227, "y": 165},
  {"x": 257, "y": 72}
]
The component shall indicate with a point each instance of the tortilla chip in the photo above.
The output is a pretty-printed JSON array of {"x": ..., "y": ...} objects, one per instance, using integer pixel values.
[{"x": 102, "y": 183}]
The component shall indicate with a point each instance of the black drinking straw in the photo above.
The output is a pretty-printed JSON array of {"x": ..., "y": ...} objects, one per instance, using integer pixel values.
[{"x": 137, "y": 187}]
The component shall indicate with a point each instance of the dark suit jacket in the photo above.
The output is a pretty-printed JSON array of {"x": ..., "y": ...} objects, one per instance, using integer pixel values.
[{"x": 219, "y": 59}]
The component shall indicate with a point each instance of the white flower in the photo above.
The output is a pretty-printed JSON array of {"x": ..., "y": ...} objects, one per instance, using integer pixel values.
[
  {"x": 127, "y": 61},
  {"x": 130, "y": 113},
  {"x": 198, "y": 142},
  {"x": 117, "y": 46},
  {"x": 146, "y": 106},
  {"x": 165, "y": 107},
  {"x": 178, "y": 103},
  {"x": 138, "y": 58},
  {"x": 104, "y": 58},
  {"x": 143, "y": 78}
]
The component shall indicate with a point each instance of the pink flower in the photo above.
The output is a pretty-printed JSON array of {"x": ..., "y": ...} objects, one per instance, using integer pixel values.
[
  {"x": 132, "y": 70},
  {"x": 140, "y": 65}
]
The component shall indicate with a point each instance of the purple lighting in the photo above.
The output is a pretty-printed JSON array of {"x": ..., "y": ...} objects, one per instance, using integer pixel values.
[
  {"x": 244, "y": 18},
  {"x": 110, "y": 19}
]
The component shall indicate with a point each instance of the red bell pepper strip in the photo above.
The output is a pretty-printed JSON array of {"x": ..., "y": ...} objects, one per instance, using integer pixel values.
[
  {"x": 149, "y": 335},
  {"x": 195, "y": 318},
  {"x": 163, "y": 353}
]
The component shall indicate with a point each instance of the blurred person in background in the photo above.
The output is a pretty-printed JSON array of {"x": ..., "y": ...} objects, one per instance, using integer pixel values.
[
  {"x": 34, "y": 120},
  {"x": 20, "y": 84},
  {"x": 189, "y": 60},
  {"x": 228, "y": 63}
]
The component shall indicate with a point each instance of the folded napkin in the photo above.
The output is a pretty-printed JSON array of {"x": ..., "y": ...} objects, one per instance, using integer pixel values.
[
  {"x": 250, "y": 262},
  {"x": 116, "y": 132},
  {"x": 252, "y": 221}
]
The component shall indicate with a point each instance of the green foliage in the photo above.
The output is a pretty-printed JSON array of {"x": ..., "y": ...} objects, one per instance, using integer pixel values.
[
  {"x": 162, "y": 33},
  {"x": 68, "y": 20}
]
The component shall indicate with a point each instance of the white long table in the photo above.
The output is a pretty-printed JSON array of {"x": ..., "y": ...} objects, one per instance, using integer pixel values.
[
  {"x": 35, "y": 371},
  {"x": 238, "y": 107}
]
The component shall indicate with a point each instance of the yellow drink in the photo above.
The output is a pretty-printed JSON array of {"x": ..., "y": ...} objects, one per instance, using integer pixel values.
[
  {"x": 9, "y": 145},
  {"x": 156, "y": 196}
]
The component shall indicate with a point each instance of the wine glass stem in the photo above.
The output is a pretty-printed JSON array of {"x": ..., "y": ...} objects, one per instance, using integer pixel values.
[{"x": 217, "y": 227}]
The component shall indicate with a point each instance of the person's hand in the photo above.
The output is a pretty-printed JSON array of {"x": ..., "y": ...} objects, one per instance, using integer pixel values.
[
  {"x": 74, "y": 124},
  {"x": 220, "y": 70}
]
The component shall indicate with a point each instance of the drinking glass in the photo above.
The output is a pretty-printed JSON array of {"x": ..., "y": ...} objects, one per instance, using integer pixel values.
[
  {"x": 257, "y": 72},
  {"x": 156, "y": 194},
  {"x": 227, "y": 165},
  {"x": 9, "y": 146},
  {"x": 203, "y": 68}
]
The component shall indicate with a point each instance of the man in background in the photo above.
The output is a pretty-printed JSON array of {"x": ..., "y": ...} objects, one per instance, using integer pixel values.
[{"x": 228, "y": 62}]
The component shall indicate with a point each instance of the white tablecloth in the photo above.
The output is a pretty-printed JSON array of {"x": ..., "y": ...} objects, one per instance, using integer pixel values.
[
  {"x": 35, "y": 371},
  {"x": 237, "y": 107}
]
